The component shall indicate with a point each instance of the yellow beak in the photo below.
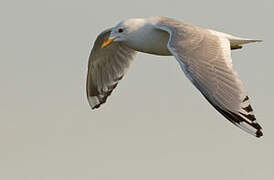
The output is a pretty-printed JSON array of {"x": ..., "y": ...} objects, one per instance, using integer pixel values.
[{"x": 107, "y": 42}]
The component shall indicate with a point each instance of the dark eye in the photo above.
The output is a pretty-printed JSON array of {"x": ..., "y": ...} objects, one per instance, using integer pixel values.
[{"x": 120, "y": 30}]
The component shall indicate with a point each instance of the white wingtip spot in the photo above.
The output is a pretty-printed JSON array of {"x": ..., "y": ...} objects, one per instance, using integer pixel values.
[
  {"x": 248, "y": 128},
  {"x": 93, "y": 101}
]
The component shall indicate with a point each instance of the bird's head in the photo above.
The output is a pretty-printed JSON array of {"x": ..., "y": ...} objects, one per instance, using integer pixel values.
[{"x": 124, "y": 31}]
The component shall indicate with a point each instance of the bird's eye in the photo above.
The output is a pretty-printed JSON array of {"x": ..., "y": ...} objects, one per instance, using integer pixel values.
[{"x": 120, "y": 30}]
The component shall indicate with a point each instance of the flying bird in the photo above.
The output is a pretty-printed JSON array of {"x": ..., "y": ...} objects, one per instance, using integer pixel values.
[{"x": 204, "y": 55}]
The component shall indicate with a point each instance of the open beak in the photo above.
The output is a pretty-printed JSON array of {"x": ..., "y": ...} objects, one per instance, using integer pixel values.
[{"x": 107, "y": 42}]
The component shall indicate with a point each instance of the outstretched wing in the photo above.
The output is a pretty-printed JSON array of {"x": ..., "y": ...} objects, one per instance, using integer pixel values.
[
  {"x": 105, "y": 68},
  {"x": 205, "y": 58}
]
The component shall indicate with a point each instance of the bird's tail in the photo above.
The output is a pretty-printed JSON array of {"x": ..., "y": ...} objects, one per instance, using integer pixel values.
[{"x": 237, "y": 42}]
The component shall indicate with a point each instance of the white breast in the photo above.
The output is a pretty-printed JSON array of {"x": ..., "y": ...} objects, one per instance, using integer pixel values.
[{"x": 149, "y": 40}]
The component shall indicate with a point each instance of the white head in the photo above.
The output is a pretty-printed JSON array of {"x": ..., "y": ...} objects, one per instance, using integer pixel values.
[{"x": 124, "y": 30}]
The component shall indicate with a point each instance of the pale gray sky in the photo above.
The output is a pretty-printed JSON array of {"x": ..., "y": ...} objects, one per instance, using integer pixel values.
[{"x": 154, "y": 125}]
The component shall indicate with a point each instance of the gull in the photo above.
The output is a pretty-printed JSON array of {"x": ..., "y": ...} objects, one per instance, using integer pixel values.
[{"x": 204, "y": 55}]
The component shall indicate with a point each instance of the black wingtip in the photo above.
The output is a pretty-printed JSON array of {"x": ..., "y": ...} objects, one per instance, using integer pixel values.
[
  {"x": 237, "y": 119},
  {"x": 259, "y": 133},
  {"x": 96, "y": 107}
]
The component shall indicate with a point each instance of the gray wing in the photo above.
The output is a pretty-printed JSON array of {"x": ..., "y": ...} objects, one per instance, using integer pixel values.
[
  {"x": 105, "y": 68},
  {"x": 205, "y": 58}
]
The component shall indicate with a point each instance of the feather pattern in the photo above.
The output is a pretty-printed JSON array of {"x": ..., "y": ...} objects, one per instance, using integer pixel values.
[
  {"x": 106, "y": 68},
  {"x": 205, "y": 57}
]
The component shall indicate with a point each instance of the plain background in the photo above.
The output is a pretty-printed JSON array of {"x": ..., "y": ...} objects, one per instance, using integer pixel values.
[{"x": 155, "y": 125}]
